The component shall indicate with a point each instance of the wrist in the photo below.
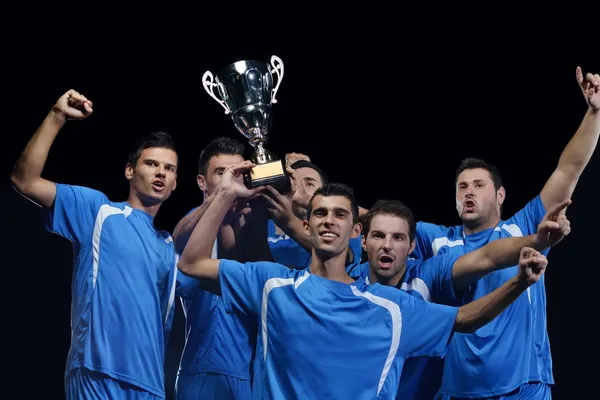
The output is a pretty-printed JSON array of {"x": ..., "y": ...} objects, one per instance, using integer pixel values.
[
  {"x": 521, "y": 282},
  {"x": 57, "y": 116}
]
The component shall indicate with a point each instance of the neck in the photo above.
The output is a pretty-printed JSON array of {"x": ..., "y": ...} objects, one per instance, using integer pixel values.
[
  {"x": 474, "y": 227},
  {"x": 138, "y": 204},
  {"x": 393, "y": 281},
  {"x": 333, "y": 268}
]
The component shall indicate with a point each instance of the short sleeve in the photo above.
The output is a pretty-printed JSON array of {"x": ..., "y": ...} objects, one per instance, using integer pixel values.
[
  {"x": 426, "y": 328},
  {"x": 435, "y": 274},
  {"x": 243, "y": 284},
  {"x": 424, "y": 236},
  {"x": 526, "y": 219},
  {"x": 74, "y": 212}
]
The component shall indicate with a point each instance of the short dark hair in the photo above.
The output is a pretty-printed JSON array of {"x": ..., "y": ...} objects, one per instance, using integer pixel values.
[
  {"x": 307, "y": 164},
  {"x": 153, "y": 139},
  {"x": 218, "y": 146},
  {"x": 472, "y": 163},
  {"x": 390, "y": 207},
  {"x": 336, "y": 189}
]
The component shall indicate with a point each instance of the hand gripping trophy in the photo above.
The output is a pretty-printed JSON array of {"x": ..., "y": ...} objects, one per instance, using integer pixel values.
[{"x": 246, "y": 92}]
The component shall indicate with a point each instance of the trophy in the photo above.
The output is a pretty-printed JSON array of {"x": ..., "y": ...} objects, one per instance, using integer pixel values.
[{"x": 246, "y": 92}]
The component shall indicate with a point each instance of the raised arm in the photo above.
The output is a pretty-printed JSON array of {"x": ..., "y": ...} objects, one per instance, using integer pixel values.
[
  {"x": 505, "y": 253},
  {"x": 478, "y": 313},
  {"x": 184, "y": 228},
  {"x": 579, "y": 150},
  {"x": 27, "y": 174},
  {"x": 196, "y": 261}
]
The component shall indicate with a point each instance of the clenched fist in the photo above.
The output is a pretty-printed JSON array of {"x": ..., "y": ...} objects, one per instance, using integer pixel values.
[{"x": 73, "y": 105}]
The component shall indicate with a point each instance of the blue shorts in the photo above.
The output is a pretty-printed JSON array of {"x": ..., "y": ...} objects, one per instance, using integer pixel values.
[
  {"x": 528, "y": 391},
  {"x": 208, "y": 386},
  {"x": 84, "y": 384}
]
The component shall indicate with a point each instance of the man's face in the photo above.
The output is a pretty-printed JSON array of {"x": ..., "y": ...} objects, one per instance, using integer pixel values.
[
  {"x": 388, "y": 245},
  {"x": 477, "y": 201},
  {"x": 214, "y": 171},
  {"x": 330, "y": 225},
  {"x": 307, "y": 182},
  {"x": 154, "y": 176}
]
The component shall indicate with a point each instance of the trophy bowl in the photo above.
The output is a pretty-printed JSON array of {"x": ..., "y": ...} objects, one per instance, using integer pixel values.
[{"x": 247, "y": 91}]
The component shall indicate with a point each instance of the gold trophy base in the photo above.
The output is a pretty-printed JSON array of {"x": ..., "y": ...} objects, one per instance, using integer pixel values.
[{"x": 271, "y": 173}]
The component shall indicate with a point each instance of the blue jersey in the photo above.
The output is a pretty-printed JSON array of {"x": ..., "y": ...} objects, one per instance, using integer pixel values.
[
  {"x": 216, "y": 342},
  {"x": 429, "y": 280},
  {"x": 319, "y": 338},
  {"x": 512, "y": 349},
  {"x": 288, "y": 252},
  {"x": 122, "y": 289}
]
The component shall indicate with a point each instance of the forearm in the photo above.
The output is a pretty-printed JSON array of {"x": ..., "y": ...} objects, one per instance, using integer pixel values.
[
  {"x": 31, "y": 163},
  {"x": 185, "y": 227},
  {"x": 580, "y": 148},
  {"x": 494, "y": 256},
  {"x": 204, "y": 235},
  {"x": 478, "y": 313},
  {"x": 294, "y": 228}
]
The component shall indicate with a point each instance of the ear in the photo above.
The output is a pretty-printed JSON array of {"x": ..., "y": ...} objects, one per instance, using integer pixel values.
[
  {"x": 201, "y": 179},
  {"x": 306, "y": 228},
  {"x": 174, "y": 184},
  {"x": 501, "y": 195},
  {"x": 364, "y": 243},
  {"x": 412, "y": 246},
  {"x": 356, "y": 230},
  {"x": 129, "y": 171}
]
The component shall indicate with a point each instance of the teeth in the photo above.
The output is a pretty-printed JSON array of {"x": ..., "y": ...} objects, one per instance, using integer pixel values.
[{"x": 329, "y": 235}]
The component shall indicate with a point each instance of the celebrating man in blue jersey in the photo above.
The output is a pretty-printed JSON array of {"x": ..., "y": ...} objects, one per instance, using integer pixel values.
[
  {"x": 499, "y": 360},
  {"x": 217, "y": 357},
  {"x": 323, "y": 334},
  {"x": 124, "y": 268},
  {"x": 388, "y": 238}
]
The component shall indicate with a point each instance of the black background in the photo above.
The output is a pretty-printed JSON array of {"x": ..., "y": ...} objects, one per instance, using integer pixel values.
[{"x": 391, "y": 111}]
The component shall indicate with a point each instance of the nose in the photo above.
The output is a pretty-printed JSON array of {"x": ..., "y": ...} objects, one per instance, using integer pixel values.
[
  {"x": 160, "y": 171},
  {"x": 387, "y": 243}
]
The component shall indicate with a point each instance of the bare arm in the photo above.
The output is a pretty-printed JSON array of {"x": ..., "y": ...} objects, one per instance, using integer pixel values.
[
  {"x": 27, "y": 174},
  {"x": 496, "y": 255},
  {"x": 505, "y": 253},
  {"x": 184, "y": 228},
  {"x": 478, "y": 313},
  {"x": 196, "y": 261},
  {"x": 576, "y": 155}
]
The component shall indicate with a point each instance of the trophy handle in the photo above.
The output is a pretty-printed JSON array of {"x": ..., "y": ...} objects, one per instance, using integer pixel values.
[
  {"x": 209, "y": 86},
  {"x": 278, "y": 69}
]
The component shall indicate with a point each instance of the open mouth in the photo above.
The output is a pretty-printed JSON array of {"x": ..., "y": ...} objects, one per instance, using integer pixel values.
[
  {"x": 158, "y": 185},
  {"x": 469, "y": 205},
  {"x": 386, "y": 262},
  {"x": 328, "y": 236}
]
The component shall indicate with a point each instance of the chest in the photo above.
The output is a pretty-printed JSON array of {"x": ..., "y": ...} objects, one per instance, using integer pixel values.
[{"x": 133, "y": 250}]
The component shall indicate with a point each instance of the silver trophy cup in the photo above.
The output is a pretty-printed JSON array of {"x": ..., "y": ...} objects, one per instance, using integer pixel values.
[{"x": 246, "y": 90}]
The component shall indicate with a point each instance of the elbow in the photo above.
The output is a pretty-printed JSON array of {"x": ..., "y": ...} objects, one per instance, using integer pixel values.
[
  {"x": 184, "y": 267},
  {"x": 19, "y": 182},
  {"x": 464, "y": 324}
]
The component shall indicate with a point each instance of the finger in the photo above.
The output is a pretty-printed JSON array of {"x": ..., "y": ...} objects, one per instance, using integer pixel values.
[
  {"x": 592, "y": 79},
  {"x": 549, "y": 225},
  {"x": 87, "y": 107},
  {"x": 554, "y": 211},
  {"x": 274, "y": 191},
  {"x": 243, "y": 165},
  {"x": 525, "y": 252},
  {"x": 255, "y": 191},
  {"x": 272, "y": 202},
  {"x": 579, "y": 75},
  {"x": 290, "y": 171},
  {"x": 597, "y": 77}
]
